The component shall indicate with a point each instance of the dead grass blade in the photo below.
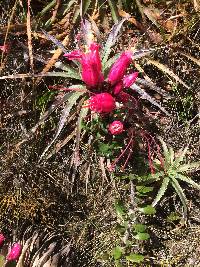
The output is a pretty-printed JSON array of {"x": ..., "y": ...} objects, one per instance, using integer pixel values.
[
  {"x": 195, "y": 60},
  {"x": 28, "y": 23},
  {"x": 7, "y": 31},
  {"x": 166, "y": 70},
  {"x": 47, "y": 74},
  {"x": 55, "y": 11}
]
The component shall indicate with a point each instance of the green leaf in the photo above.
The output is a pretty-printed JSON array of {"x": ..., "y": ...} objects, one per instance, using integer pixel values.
[
  {"x": 137, "y": 258},
  {"x": 181, "y": 194},
  {"x": 114, "y": 10},
  {"x": 117, "y": 252},
  {"x": 174, "y": 216},
  {"x": 69, "y": 70},
  {"x": 161, "y": 191},
  {"x": 149, "y": 210},
  {"x": 142, "y": 236},
  {"x": 85, "y": 6},
  {"x": 139, "y": 228},
  {"x": 165, "y": 153},
  {"x": 188, "y": 180},
  {"x": 144, "y": 189},
  {"x": 189, "y": 167},
  {"x": 105, "y": 149},
  {"x": 120, "y": 208}
]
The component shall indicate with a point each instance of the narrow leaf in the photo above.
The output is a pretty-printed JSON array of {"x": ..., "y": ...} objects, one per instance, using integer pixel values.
[
  {"x": 55, "y": 41},
  {"x": 188, "y": 180},
  {"x": 153, "y": 87},
  {"x": 114, "y": 10},
  {"x": 165, "y": 152},
  {"x": 146, "y": 96},
  {"x": 84, "y": 6},
  {"x": 161, "y": 191},
  {"x": 180, "y": 158},
  {"x": 189, "y": 167},
  {"x": 181, "y": 194},
  {"x": 111, "y": 40},
  {"x": 71, "y": 102}
]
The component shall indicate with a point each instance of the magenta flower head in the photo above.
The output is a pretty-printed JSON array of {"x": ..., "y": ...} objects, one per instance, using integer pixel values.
[
  {"x": 90, "y": 63},
  {"x": 14, "y": 252},
  {"x": 116, "y": 127},
  {"x": 119, "y": 67},
  {"x": 129, "y": 79},
  {"x": 2, "y": 238},
  {"x": 102, "y": 103}
]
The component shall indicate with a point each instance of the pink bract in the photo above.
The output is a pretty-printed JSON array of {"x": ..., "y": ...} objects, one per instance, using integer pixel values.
[
  {"x": 14, "y": 252},
  {"x": 2, "y": 238},
  {"x": 119, "y": 68},
  {"x": 116, "y": 127},
  {"x": 129, "y": 79},
  {"x": 91, "y": 64},
  {"x": 117, "y": 88},
  {"x": 102, "y": 103}
]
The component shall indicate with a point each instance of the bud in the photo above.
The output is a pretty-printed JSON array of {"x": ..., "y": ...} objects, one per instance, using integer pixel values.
[
  {"x": 117, "y": 88},
  {"x": 2, "y": 238},
  {"x": 91, "y": 65},
  {"x": 129, "y": 79},
  {"x": 119, "y": 67},
  {"x": 14, "y": 252},
  {"x": 116, "y": 127},
  {"x": 102, "y": 103}
]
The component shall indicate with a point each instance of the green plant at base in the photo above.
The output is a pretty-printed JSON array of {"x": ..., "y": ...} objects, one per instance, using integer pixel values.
[
  {"x": 171, "y": 171},
  {"x": 131, "y": 232}
]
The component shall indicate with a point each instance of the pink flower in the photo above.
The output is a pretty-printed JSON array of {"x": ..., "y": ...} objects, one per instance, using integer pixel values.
[
  {"x": 119, "y": 67},
  {"x": 102, "y": 103},
  {"x": 2, "y": 238},
  {"x": 117, "y": 88},
  {"x": 91, "y": 65},
  {"x": 129, "y": 79},
  {"x": 116, "y": 127},
  {"x": 14, "y": 252}
]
